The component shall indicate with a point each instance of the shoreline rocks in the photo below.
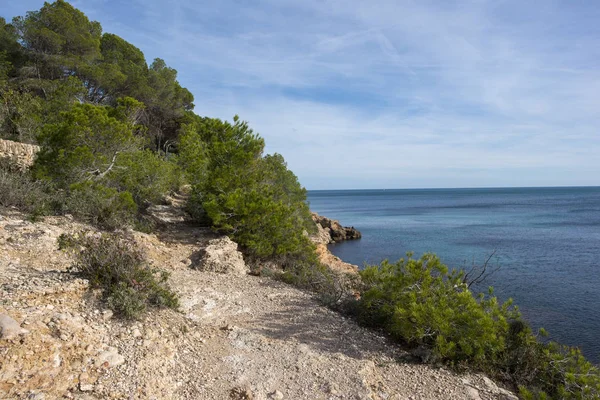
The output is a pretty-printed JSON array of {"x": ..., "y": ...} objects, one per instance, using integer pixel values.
[{"x": 332, "y": 230}]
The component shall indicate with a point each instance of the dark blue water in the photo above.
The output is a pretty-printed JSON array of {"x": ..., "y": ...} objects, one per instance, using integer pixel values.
[{"x": 547, "y": 243}]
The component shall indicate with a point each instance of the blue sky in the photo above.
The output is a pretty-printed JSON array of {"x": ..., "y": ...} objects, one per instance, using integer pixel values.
[{"x": 388, "y": 93}]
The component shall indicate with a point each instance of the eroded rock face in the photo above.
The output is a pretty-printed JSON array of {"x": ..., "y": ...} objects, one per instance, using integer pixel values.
[
  {"x": 333, "y": 262},
  {"x": 334, "y": 229},
  {"x": 323, "y": 236},
  {"x": 221, "y": 255}
]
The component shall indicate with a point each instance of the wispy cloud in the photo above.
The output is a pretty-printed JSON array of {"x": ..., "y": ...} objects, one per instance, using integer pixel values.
[{"x": 389, "y": 93}]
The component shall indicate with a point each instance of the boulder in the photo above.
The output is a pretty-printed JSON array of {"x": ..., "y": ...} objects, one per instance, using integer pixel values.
[
  {"x": 19, "y": 155},
  {"x": 109, "y": 358},
  {"x": 221, "y": 255},
  {"x": 323, "y": 235}
]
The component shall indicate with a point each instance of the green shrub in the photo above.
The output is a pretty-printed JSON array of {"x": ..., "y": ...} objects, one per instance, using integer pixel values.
[
  {"x": 146, "y": 175},
  {"x": 255, "y": 199},
  {"x": 101, "y": 206},
  {"x": 90, "y": 202},
  {"x": 20, "y": 115},
  {"x": 551, "y": 370},
  {"x": 19, "y": 190},
  {"x": 116, "y": 265},
  {"x": 94, "y": 153},
  {"x": 193, "y": 155},
  {"x": 422, "y": 303},
  {"x": 84, "y": 145}
]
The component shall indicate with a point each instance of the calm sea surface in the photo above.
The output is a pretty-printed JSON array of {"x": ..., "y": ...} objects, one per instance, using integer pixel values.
[{"x": 547, "y": 243}]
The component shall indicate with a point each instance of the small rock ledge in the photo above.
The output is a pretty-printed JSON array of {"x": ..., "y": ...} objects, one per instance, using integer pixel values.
[{"x": 331, "y": 231}]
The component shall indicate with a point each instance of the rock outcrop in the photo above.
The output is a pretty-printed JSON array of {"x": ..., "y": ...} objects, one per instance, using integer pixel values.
[
  {"x": 173, "y": 211},
  {"x": 21, "y": 155},
  {"x": 167, "y": 214},
  {"x": 334, "y": 262},
  {"x": 221, "y": 255},
  {"x": 330, "y": 231},
  {"x": 334, "y": 229}
]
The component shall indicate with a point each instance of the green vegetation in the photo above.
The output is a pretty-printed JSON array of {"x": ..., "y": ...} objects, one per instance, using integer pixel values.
[
  {"x": 114, "y": 264},
  {"x": 253, "y": 198},
  {"x": 118, "y": 134},
  {"x": 424, "y": 305},
  {"x": 100, "y": 205},
  {"x": 83, "y": 146},
  {"x": 19, "y": 190}
]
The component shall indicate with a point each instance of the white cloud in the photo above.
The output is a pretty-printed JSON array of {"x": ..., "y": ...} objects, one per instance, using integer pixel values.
[{"x": 390, "y": 93}]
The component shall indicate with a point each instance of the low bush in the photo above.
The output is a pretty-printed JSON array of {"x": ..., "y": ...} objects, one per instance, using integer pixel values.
[
  {"x": 550, "y": 370},
  {"x": 423, "y": 304},
  {"x": 90, "y": 202},
  {"x": 116, "y": 265},
  {"x": 101, "y": 206},
  {"x": 19, "y": 190}
]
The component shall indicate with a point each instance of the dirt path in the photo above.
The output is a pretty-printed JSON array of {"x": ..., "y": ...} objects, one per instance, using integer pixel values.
[{"x": 240, "y": 337}]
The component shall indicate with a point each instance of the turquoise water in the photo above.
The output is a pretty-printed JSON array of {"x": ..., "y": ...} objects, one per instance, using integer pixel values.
[{"x": 547, "y": 243}]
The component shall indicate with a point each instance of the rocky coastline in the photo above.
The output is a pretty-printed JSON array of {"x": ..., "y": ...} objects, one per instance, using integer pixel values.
[{"x": 332, "y": 231}]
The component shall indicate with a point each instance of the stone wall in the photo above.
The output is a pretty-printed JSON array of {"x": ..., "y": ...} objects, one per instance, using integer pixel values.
[{"x": 21, "y": 155}]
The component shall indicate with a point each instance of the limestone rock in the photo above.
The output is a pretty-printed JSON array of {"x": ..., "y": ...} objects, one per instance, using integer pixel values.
[
  {"x": 333, "y": 262},
  {"x": 21, "y": 155},
  {"x": 336, "y": 231},
  {"x": 9, "y": 328},
  {"x": 86, "y": 387},
  {"x": 276, "y": 395},
  {"x": 109, "y": 358},
  {"x": 222, "y": 255},
  {"x": 473, "y": 393},
  {"x": 323, "y": 235}
]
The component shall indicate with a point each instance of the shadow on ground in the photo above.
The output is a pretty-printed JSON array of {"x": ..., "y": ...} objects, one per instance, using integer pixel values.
[{"x": 309, "y": 323}]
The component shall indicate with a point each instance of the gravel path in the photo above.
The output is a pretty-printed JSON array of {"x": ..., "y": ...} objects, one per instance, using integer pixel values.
[{"x": 236, "y": 337}]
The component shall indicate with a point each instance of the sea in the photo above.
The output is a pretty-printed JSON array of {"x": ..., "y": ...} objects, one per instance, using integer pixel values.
[{"x": 544, "y": 244}]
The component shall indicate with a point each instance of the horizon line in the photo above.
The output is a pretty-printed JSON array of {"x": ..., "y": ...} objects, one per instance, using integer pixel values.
[{"x": 463, "y": 188}]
